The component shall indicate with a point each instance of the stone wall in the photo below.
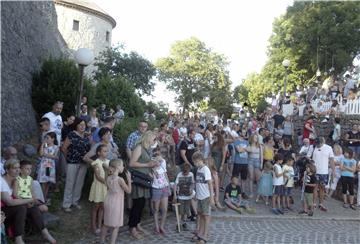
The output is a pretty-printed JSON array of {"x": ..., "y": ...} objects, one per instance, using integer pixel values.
[
  {"x": 324, "y": 129},
  {"x": 28, "y": 35}
]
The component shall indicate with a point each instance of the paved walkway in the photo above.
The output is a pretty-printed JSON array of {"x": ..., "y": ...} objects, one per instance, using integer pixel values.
[{"x": 338, "y": 225}]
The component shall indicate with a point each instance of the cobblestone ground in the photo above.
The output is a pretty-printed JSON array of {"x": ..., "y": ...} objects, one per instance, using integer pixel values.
[{"x": 249, "y": 230}]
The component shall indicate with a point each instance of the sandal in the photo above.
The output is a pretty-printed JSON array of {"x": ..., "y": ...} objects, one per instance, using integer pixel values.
[
  {"x": 201, "y": 240},
  {"x": 136, "y": 236},
  {"x": 195, "y": 238},
  {"x": 352, "y": 206}
]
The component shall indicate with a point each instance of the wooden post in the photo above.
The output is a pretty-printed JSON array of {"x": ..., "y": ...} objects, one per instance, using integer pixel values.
[{"x": 176, "y": 205}]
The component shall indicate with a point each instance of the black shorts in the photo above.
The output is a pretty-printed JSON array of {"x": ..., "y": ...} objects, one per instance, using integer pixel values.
[{"x": 240, "y": 169}]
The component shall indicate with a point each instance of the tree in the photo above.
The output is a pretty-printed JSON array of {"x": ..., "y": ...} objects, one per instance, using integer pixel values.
[
  {"x": 119, "y": 91},
  {"x": 135, "y": 68},
  {"x": 311, "y": 35},
  {"x": 194, "y": 71}
]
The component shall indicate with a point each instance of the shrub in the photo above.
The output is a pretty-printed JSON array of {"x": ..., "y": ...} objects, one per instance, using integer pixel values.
[{"x": 58, "y": 80}]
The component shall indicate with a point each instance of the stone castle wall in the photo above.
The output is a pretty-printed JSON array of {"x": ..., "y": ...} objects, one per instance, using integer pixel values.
[{"x": 28, "y": 35}]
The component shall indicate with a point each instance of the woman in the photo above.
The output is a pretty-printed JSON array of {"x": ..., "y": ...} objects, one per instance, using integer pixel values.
[
  {"x": 255, "y": 159},
  {"x": 75, "y": 146},
  {"x": 17, "y": 210},
  {"x": 218, "y": 153},
  {"x": 288, "y": 128},
  {"x": 94, "y": 120},
  {"x": 165, "y": 142},
  {"x": 141, "y": 161},
  {"x": 105, "y": 139},
  {"x": 286, "y": 149},
  {"x": 309, "y": 130},
  {"x": 208, "y": 140}
]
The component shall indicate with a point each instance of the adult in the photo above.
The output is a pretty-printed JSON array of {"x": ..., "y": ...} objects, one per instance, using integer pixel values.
[
  {"x": 8, "y": 153},
  {"x": 166, "y": 144},
  {"x": 209, "y": 133},
  {"x": 55, "y": 119},
  {"x": 187, "y": 148},
  {"x": 199, "y": 137},
  {"x": 241, "y": 159},
  {"x": 66, "y": 128},
  {"x": 102, "y": 112},
  {"x": 309, "y": 130},
  {"x": 119, "y": 115},
  {"x": 94, "y": 120},
  {"x": 255, "y": 161},
  {"x": 353, "y": 140},
  {"x": 18, "y": 210},
  {"x": 113, "y": 150},
  {"x": 84, "y": 113},
  {"x": 183, "y": 130},
  {"x": 75, "y": 146},
  {"x": 306, "y": 149},
  {"x": 109, "y": 122},
  {"x": 323, "y": 157},
  {"x": 218, "y": 151},
  {"x": 83, "y": 100},
  {"x": 286, "y": 149},
  {"x": 141, "y": 161},
  {"x": 176, "y": 133},
  {"x": 350, "y": 84},
  {"x": 278, "y": 119},
  {"x": 289, "y": 130},
  {"x": 134, "y": 138}
]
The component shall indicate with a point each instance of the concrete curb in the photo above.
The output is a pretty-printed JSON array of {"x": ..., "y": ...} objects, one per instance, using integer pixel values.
[{"x": 283, "y": 217}]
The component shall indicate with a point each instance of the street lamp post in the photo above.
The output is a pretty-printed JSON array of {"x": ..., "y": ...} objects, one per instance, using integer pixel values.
[
  {"x": 286, "y": 64},
  {"x": 83, "y": 57}
]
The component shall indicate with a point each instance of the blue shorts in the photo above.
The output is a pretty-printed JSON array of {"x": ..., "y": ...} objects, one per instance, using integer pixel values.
[
  {"x": 287, "y": 191},
  {"x": 158, "y": 194},
  {"x": 322, "y": 179},
  {"x": 278, "y": 190},
  {"x": 254, "y": 162}
]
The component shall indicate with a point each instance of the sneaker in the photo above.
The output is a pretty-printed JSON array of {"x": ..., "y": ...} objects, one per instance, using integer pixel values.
[
  {"x": 275, "y": 211},
  {"x": 280, "y": 211},
  {"x": 322, "y": 208},
  {"x": 345, "y": 205},
  {"x": 184, "y": 227},
  {"x": 303, "y": 212},
  {"x": 352, "y": 206},
  {"x": 77, "y": 206},
  {"x": 67, "y": 210},
  {"x": 290, "y": 209},
  {"x": 310, "y": 213}
]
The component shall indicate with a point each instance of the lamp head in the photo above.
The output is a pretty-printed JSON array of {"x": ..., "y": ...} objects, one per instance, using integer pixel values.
[{"x": 84, "y": 56}]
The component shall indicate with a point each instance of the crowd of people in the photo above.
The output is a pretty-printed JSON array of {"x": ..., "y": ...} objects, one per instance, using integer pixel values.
[{"x": 186, "y": 162}]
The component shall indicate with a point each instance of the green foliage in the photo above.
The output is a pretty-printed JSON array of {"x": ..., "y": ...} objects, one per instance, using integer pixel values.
[
  {"x": 161, "y": 109},
  {"x": 117, "y": 90},
  {"x": 58, "y": 80},
  {"x": 114, "y": 62},
  {"x": 311, "y": 35},
  {"x": 194, "y": 72}
]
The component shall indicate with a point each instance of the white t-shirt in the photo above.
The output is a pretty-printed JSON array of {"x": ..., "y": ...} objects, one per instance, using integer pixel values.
[
  {"x": 321, "y": 158},
  {"x": 203, "y": 175},
  {"x": 5, "y": 187},
  {"x": 185, "y": 185},
  {"x": 278, "y": 181},
  {"x": 55, "y": 124},
  {"x": 290, "y": 175},
  {"x": 183, "y": 131},
  {"x": 198, "y": 137},
  {"x": 306, "y": 150},
  {"x": 160, "y": 180}
]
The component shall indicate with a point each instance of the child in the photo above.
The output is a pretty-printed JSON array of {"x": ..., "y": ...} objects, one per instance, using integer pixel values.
[
  {"x": 44, "y": 128},
  {"x": 265, "y": 187},
  {"x": 204, "y": 195},
  {"x": 338, "y": 157},
  {"x": 289, "y": 173},
  {"x": 210, "y": 162},
  {"x": 309, "y": 185},
  {"x": 233, "y": 195},
  {"x": 49, "y": 152},
  {"x": 348, "y": 168},
  {"x": 98, "y": 188},
  {"x": 160, "y": 192},
  {"x": 114, "y": 200},
  {"x": 278, "y": 183},
  {"x": 183, "y": 190}
]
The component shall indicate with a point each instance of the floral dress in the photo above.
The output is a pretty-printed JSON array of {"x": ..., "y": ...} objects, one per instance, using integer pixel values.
[{"x": 46, "y": 171}]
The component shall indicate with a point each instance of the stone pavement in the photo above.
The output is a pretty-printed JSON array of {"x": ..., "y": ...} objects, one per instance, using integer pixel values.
[{"x": 338, "y": 225}]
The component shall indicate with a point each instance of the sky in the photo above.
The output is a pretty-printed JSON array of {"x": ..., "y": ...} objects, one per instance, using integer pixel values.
[{"x": 238, "y": 29}]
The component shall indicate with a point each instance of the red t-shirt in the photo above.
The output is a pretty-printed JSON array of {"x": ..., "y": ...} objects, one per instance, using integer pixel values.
[{"x": 176, "y": 136}]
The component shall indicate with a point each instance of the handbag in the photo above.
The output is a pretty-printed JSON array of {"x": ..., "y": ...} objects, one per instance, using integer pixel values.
[{"x": 140, "y": 179}]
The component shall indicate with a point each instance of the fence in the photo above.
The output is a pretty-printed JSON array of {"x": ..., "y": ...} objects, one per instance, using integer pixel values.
[{"x": 352, "y": 107}]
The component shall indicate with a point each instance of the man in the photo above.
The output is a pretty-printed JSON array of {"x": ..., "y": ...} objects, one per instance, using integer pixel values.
[
  {"x": 199, "y": 138},
  {"x": 187, "y": 149},
  {"x": 241, "y": 156},
  {"x": 119, "y": 115},
  {"x": 261, "y": 135},
  {"x": 8, "y": 153},
  {"x": 109, "y": 122},
  {"x": 183, "y": 130},
  {"x": 83, "y": 100},
  {"x": 55, "y": 119},
  {"x": 135, "y": 137},
  {"x": 350, "y": 84},
  {"x": 323, "y": 156}
]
